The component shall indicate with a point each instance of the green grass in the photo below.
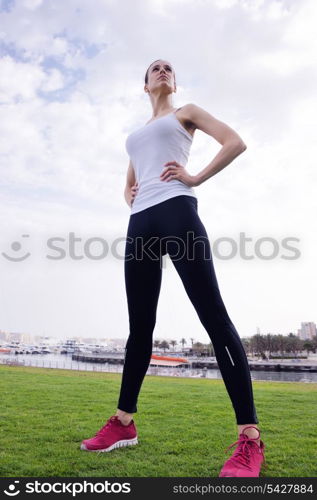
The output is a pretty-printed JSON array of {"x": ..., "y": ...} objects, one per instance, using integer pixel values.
[{"x": 184, "y": 425}]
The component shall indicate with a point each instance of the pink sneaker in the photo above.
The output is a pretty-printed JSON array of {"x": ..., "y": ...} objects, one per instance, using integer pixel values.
[
  {"x": 247, "y": 459},
  {"x": 112, "y": 435}
]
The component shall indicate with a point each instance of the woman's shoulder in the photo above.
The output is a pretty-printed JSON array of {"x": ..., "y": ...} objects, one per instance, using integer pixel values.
[
  {"x": 187, "y": 114},
  {"x": 191, "y": 109}
]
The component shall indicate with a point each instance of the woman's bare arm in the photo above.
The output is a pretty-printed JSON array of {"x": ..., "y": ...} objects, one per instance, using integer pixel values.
[
  {"x": 232, "y": 144},
  {"x": 131, "y": 187}
]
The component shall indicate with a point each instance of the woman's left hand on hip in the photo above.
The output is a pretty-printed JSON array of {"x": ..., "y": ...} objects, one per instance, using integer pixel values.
[{"x": 174, "y": 170}]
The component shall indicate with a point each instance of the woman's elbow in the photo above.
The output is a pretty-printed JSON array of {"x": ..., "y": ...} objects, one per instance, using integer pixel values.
[
  {"x": 238, "y": 144},
  {"x": 241, "y": 146}
]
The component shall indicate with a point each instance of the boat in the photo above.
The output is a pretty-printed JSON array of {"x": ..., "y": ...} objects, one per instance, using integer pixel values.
[
  {"x": 69, "y": 347},
  {"x": 169, "y": 358}
]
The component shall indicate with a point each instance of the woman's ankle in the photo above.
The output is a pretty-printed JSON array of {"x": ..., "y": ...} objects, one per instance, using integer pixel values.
[
  {"x": 251, "y": 430},
  {"x": 124, "y": 417}
]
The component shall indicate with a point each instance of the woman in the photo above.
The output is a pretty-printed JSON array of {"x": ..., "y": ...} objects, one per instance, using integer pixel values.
[{"x": 164, "y": 219}]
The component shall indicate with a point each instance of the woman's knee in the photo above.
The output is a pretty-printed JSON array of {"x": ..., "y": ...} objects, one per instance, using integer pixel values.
[{"x": 141, "y": 332}]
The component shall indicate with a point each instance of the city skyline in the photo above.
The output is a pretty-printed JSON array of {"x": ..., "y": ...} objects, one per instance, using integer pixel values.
[{"x": 307, "y": 331}]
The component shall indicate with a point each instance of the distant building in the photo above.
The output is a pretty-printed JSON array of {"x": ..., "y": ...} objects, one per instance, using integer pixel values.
[
  {"x": 15, "y": 337},
  {"x": 92, "y": 340},
  {"x": 119, "y": 342},
  {"x": 27, "y": 338},
  {"x": 307, "y": 331},
  {"x": 4, "y": 335}
]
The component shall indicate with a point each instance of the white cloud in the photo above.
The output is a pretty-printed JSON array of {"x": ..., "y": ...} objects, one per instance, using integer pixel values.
[
  {"x": 32, "y": 4},
  {"x": 18, "y": 81},
  {"x": 71, "y": 85},
  {"x": 53, "y": 81}
]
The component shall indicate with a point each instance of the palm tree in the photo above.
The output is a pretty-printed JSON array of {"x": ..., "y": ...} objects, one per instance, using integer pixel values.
[
  {"x": 211, "y": 350},
  {"x": 156, "y": 343},
  {"x": 183, "y": 342},
  {"x": 293, "y": 343},
  {"x": 269, "y": 341},
  {"x": 246, "y": 345},
  {"x": 198, "y": 347},
  {"x": 314, "y": 342},
  {"x": 173, "y": 343},
  {"x": 308, "y": 345},
  {"x": 257, "y": 344},
  {"x": 164, "y": 345}
]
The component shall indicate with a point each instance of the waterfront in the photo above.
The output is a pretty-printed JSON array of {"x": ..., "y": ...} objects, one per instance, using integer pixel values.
[{"x": 64, "y": 361}]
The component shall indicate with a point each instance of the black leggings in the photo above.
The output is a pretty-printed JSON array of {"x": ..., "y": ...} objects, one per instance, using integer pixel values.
[{"x": 174, "y": 227}]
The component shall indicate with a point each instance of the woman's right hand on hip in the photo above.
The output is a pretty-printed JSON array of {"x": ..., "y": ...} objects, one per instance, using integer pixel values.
[{"x": 132, "y": 193}]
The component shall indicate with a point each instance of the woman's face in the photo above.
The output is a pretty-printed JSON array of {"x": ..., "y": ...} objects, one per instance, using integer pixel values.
[{"x": 161, "y": 76}]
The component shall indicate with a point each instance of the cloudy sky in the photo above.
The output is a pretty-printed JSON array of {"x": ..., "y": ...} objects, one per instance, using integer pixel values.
[{"x": 71, "y": 90}]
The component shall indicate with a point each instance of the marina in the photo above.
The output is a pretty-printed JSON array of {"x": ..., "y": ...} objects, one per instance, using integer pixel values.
[
  {"x": 288, "y": 366},
  {"x": 113, "y": 363}
]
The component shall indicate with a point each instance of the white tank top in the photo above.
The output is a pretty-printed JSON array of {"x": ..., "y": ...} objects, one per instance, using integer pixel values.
[{"x": 149, "y": 148}]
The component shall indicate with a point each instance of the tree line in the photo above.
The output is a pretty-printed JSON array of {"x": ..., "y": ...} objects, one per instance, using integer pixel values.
[{"x": 265, "y": 346}]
